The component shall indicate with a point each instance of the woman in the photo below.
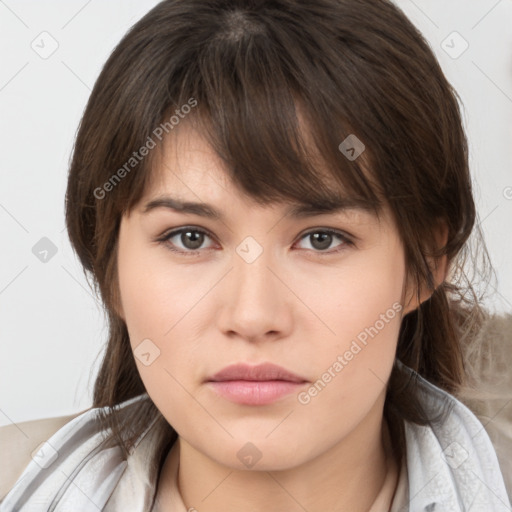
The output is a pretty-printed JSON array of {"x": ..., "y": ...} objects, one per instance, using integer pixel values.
[{"x": 273, "y": 199}]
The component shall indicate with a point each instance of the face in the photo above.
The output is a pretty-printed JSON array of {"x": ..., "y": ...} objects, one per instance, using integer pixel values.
[{"x": 319, "y": 296}]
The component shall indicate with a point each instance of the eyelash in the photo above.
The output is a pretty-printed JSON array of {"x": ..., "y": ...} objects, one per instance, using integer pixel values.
[{"x": 164, "y": 239}]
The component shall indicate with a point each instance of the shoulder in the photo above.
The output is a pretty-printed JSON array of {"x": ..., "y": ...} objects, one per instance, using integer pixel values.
[
  {"x": 19, "y": 442},
  {"x": 59, "y": 455},
  {"x": 452, "y": 463}
]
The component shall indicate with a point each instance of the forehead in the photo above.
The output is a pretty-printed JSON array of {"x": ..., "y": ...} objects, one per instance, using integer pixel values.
[{"x": 187, "y": 161}]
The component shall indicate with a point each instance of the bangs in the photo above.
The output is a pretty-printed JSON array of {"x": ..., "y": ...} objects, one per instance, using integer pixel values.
[{"x": 277, "y": 153}]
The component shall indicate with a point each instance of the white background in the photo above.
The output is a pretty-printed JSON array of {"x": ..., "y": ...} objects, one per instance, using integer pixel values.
[{"x": 52, "y": 329}]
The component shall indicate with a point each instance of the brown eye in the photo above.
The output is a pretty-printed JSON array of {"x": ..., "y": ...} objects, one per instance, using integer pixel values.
[
  {"x": 321, "y": 240},
  {"x": 192, "y": 239},
  {"x": 187, "y": 240}
]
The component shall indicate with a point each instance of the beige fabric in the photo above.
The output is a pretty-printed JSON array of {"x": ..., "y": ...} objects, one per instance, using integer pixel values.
[
  {"x": 18, "y": 441},
  {"x": 488, "y": 393}
]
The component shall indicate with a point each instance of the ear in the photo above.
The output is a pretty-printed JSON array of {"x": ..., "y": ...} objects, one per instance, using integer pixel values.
[{"x": 439, "y": 269}]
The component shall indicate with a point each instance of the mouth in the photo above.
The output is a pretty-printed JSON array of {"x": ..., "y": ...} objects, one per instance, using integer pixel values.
[{"x": 255, "y": 385}]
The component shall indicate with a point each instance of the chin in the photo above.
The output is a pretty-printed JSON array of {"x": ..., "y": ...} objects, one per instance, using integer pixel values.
[{"x": 255, "y": 454}]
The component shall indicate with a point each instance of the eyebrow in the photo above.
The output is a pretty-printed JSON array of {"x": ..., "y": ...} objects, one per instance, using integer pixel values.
[{"x": 297, "y": 211}]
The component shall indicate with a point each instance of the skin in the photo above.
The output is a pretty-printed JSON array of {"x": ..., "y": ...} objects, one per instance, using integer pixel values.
[{"x": 295, "y": 306}]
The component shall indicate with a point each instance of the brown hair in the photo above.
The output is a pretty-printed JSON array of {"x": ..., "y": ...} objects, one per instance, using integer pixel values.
[{"x": 353, "y": 67}]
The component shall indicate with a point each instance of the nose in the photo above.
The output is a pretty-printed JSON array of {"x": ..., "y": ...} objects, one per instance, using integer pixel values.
[{"x": 255, "y": 303}]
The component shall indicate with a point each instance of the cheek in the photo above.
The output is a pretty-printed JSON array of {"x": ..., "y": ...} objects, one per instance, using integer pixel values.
[
  {"x": 154, "y": 294},
  {"x": 370, "y": 313},
  {"x": 152, "y": 314},
  {"x": 361, "y": 309},
  {"x": 153, "y": 302},
  {"x": 353, "y": 296}
]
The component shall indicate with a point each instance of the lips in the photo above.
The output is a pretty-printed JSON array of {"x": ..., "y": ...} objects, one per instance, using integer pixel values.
[
  {"x": 259, "y": 385},
  {"x": 262, "y": 372}
]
